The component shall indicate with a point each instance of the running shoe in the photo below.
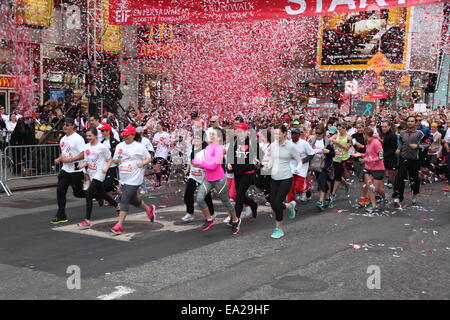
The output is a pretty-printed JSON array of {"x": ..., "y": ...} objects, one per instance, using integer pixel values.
[
  {"x": 247, "y": 212},
  {"x": 151, "y": 212},
  {"x": 303, "y": 197},
  {"x": 58, "y": 220},
  {"x": 320, "y": 205},
  {"x": 291, "y": 210},
  {"x": 371, "y": 209},
  {"x": 397, "y": 203},
  {"x": 188, "y": 217},
  {"x": 277, "y": 234},
  {"x": 366, "y": 201},
  {"x": 255, "y": 212},
  {"x": 362, "y": 202},
  {"x": 267, "y": 204},
  {"x": 236, "y": 226},
  {"x": 227, "y": 220},
  {"x": 208, "y": 224},
  {"x": 331, "y": 201},
  {"x": 446, "y": 189},
  {"x": 84, "y": 225},
  {"x": 117, "y": 229}
]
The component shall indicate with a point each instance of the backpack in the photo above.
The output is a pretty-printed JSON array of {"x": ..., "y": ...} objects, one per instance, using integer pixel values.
[{"x": 317, "y": 163}]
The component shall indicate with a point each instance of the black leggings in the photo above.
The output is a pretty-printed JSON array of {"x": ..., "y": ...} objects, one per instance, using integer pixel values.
[
  {"x": 242, "y": 183},
  {"x": 97, "y": 190},
  {"x": 191, "y": 186},
  {"x": 279, "y": 189},
  {"x": 65, "y": 180}
]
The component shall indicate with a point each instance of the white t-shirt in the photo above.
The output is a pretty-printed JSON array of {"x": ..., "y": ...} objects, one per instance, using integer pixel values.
[
  {"x": 71, "y": 146},
  {"x": 319, "y": 146},
  {"x": 147, "y": 144},
  {"x": 304, "y": 149},
  {"x": 447, "y": 136},
  {"x": 5, "y": 117},
  {"x": 131, "y": 154},
  {"x": 96, "y": 157},
  {"x": 197, "y": 173},
  {"x": 162, "y": 141}
]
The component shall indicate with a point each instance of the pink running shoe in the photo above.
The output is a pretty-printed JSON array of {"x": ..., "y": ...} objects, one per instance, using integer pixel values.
[
  {"x": 84, "y": 225},
  {"x": 151, "y": 212},
  {"x": 117, "y": 229}
]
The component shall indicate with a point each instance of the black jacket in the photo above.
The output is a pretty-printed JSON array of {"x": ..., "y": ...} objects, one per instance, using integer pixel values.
[
  {"x": 113, "y": 144},
  {"x": 389, "y": 144},
  {"x": 244, "y": 155}
]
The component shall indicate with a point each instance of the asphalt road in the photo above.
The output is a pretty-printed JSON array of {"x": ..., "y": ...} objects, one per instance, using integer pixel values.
[{"x": 324, "y": 255}]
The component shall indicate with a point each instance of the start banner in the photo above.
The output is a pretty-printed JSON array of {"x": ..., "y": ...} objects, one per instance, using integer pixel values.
[{"x": 132, "y": 12}]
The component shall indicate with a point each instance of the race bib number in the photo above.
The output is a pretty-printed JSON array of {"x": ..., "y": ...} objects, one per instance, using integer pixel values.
[{"x": 127, "y": 168}]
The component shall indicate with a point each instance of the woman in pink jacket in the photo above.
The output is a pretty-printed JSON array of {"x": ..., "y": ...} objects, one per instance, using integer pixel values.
[{"x": 215, "y": 178}]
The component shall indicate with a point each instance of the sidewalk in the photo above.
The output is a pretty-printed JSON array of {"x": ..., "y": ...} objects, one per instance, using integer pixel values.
[{"x": 31, "y": 183}]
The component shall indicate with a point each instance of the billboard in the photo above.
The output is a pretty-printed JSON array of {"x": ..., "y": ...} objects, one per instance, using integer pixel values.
[
  {"x": 35, "y": 12},
  {"x": 348, "y": 41}
]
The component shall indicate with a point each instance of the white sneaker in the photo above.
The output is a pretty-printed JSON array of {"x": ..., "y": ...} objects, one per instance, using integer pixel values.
[
  {"x": 227, "y": 220},
  {"x": 86, "y": 184},
  {"x": 188, "y": 217},
  {"x": 267, "y": 204},
  {"x": 142, "y": 192},
  {"x": 303, "y": 197},
  {"x": 247, "y": 212}
]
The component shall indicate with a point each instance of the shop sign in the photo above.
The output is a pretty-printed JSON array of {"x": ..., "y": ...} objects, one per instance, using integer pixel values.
[{"x": 8, "y": 82}]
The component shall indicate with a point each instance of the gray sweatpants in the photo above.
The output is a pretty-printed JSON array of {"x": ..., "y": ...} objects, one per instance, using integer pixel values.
[{"x": 221, "y": 187}]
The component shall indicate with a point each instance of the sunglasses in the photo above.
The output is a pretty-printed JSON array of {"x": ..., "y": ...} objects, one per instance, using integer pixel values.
[{"x": 319, "y": 133}]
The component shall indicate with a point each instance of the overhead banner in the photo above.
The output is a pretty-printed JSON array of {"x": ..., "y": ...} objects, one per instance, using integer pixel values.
[
  {"x": 131, "y": 12},
  {"x": 374, "y": 40}
]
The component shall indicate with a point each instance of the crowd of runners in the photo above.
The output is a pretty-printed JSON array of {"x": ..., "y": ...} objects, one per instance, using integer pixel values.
[{"x": 288, "y": 158}]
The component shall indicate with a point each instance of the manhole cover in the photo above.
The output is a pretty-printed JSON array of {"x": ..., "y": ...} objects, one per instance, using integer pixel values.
[
  {"x": 129, "y": 226},
  {"x": 299, "y": 283}
]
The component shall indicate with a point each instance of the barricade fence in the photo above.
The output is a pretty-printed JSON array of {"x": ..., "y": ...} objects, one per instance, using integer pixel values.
[{"x": 29, "y": 161}]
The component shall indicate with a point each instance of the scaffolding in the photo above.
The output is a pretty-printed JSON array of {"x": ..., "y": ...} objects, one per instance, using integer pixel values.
[{"x": 94, "y": 49}]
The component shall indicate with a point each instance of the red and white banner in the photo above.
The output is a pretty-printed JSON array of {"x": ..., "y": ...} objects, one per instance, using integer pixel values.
[{"x": 132, "y": 12}]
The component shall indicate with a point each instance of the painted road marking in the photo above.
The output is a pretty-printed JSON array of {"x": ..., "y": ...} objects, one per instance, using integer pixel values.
[
  {"x": 142, "y": 217},
  {"x": 120, "y": 292}
]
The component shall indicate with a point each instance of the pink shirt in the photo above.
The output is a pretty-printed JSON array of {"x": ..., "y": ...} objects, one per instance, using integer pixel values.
[
  {"x": 373, "y": 150},
  {"x": 213, "y": 162}
]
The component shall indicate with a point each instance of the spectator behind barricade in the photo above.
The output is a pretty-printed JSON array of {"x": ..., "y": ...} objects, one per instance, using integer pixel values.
[
  {"x": 10, "y": 126},
  {"x": 24, "y": 132},
  {"x": 56, "y": 122},
  {"x": 2, "y": 132}
]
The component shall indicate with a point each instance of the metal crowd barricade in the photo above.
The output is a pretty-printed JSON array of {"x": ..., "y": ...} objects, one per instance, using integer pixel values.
[{"x": 30, "y": 161}]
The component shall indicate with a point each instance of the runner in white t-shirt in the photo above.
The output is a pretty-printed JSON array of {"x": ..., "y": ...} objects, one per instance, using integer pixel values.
[
  {"x": 72, "y": 151},
  {"x": 300, "y": 183},
  {"x": 161, "y": 141},
  {"x": 131, "y": 157},
  {"x": 195, "y": 178},
  {"x": 97, "y": 160}
]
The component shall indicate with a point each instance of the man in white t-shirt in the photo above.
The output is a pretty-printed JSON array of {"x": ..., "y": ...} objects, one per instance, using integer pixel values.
[
  {"x": 131, "y": 157},
  {"x": 300, "y": 183},
  {"x": 161, "y": 141},
  {"x": 72, "y": 151}
]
